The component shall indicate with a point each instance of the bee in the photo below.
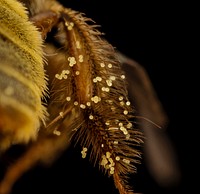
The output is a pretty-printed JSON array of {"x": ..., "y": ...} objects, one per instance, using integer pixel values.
[
  {"x": 60, "y": 80},
  {"x": 23, "y": 80}
]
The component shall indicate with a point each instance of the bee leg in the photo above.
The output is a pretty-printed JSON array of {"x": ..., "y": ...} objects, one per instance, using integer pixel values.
[
  {"x": 45, "y": 21},
  {"x": 44, "y": 151}
]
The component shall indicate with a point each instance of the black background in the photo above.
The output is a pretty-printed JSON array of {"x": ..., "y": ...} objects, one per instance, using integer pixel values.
[{"x": 156, "y": 35}]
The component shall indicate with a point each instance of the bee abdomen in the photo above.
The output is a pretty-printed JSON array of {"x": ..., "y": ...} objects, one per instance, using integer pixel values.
[{"x": 22, "y": 76}]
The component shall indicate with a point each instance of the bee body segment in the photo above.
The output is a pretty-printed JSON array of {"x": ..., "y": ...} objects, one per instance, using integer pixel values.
[{"x": 22, "y": 76}]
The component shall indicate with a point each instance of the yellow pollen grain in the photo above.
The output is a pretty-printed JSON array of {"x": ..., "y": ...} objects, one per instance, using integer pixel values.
[
  {"x": 126, "y": 161},
  {"x": 83, "y": 155},
  {"x": 78, "y": 45},
  {"x": 123, "y": 76},
  {"x": 122, "y": 103},
  {"x": 82, "y": 106},
  {"x": 66, "y": 23},
  {"x": 77, "y": 72},
  {"x": 104, "y": 161},
  {"x": 72, "y": 61},
  {"x": 108, "y": 154},
  {"x": 91, "y": 117},
  {"x": 105, "y": 89},
  {"x": 99, "y": 78},
  {"x": 128, "y": 136},
  {"x": 129, "y": 125},
  {"x": 95, "y": 80},
  {"x": 70, "y": 25},
  {"x": 117, "y": 158},
  {"x": 109, "y": 65},
  {"x": 128, "y": 103},
  {"x": 56, "y": 132},
  {"x": 107, "y": 123},
  {"x": 125, "y": 112},
  {"x": 83, "y": 152},
  {"x": 112, "y": 168},
  {"x": 125, "y": 132},
  {"x": 58, "y": 76},
  {"x": 121, "y": 98},
  {"x": 109, "y": 82},
  {"x": 112, "y": 78},
  {"x": 107, "y": 166},
  {"x": 61, "y": 114},
  {"x": 96, "y": 99},
  {"x": 120, "y": 124},
  {"x": 102, "y": 64},
  {"x": 66, "y": 71},
  {"x": 64, "y": 76},
  {"x": 111, "y": 162},
  {"x": 88, "y": 103},
  {"x": 68, "y": 98},
  {"x": 75, "y": 103},
  {"x": 80, "y": 58}
]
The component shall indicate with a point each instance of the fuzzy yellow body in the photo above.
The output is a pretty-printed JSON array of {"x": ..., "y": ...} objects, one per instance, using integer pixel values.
[{"x": 22, "y": 76}]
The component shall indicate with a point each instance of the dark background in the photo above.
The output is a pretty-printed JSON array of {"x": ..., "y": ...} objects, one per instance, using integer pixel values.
[{"x": 157, "y": 36}]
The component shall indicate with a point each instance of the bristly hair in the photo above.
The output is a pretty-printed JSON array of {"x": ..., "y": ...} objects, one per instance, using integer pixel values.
[{"x": 89, "y": 92}]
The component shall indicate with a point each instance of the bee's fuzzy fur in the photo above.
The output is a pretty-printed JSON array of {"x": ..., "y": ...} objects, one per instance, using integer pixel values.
[{"x": 23, "y": 80}]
